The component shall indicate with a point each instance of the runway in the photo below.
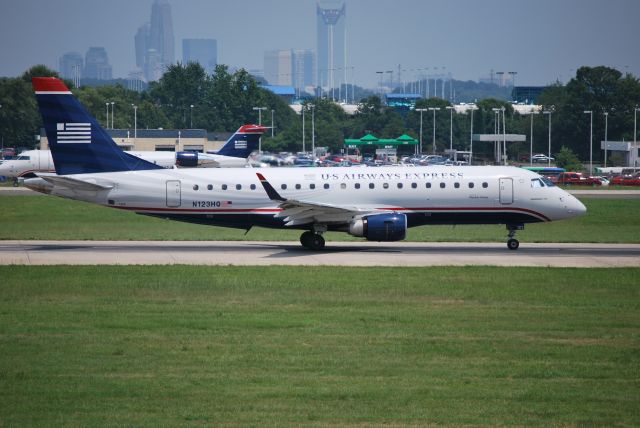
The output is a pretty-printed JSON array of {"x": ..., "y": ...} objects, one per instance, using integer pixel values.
[{"x": 335, "y": 254}]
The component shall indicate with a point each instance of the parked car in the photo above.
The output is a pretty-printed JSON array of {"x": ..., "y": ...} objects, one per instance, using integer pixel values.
[
  {"x": 626, "y": 180},
  {"x": 540, "y": 158},
  {"x": 576, "y": 178}
]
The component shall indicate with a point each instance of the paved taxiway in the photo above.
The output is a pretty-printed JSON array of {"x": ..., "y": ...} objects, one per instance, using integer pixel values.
[{"x": 335, "y": 254}]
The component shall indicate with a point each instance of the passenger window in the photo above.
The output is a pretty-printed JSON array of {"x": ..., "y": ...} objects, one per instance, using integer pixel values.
[
  {"x": 343, "y": 185},
  {"x": 456, "y": 185},
  {"x": 485, "y": 185},
  {"x": 372, "y": 186},
  {"x": 428, "y": 185},
  {"x": 224, "y": 187},
  {"x": 470, "y": 185},
  {"x": 195, "y": 187},
  {"x": 298, "y": 187},
  {"x": 252, "y": 187},
  {"x": 312, "y": 186},
  {"x": 385, "y": 185},
  {"x": 442, "y": 185},
  {"x": 357, "y": 185},
  {"x": 283, "y": 186},
  {"x": 209, "y": 187},
  {"x": 238, "y": 186},
  {"x": 414, "y": 185},
  {"x": 326, "y": 185},
  {"x": 399, "y": 185}
]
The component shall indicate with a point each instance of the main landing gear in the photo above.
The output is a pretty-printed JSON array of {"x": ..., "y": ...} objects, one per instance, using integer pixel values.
[
  {"x": 513, "y": 243},
  {"x": 312, "y": 239}
]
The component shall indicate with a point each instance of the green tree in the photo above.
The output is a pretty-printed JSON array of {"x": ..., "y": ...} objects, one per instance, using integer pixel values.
[{"x": 568, "y": 160}]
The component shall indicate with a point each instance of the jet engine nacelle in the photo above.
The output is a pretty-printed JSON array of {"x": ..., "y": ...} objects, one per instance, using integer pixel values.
[
  {"x": 380, "y": 227},
  {"x": 187, "y": 159}
]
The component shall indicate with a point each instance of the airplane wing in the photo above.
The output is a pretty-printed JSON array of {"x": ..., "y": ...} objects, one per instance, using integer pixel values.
[
  {"x": 73, "y": 183},
  {"x": 298, "y": 212}
]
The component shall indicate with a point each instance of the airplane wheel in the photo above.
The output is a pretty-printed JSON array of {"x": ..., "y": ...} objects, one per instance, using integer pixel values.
[
  {"x": 312, "y": 241},
  {"x": 513, "y": 244}
]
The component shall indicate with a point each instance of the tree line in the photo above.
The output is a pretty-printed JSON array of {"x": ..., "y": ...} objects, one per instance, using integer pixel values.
[{"x": 188, "y": 97}]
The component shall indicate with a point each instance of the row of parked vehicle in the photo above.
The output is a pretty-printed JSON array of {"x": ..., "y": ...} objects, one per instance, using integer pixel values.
[{"x": 579, "y": 179}]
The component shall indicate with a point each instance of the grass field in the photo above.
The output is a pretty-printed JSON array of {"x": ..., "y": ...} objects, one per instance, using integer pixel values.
[
  {"x": 38, "y": 217},
  {"x": 282, "y": 346}
]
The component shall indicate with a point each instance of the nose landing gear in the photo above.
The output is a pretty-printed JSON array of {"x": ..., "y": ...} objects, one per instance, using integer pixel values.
[{"x": 513, "y": 243}]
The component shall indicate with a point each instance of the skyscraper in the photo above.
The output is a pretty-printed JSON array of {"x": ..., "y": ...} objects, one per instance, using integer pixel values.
[
  {"x": 278, "y": 67},
  {"x": 154, "y": 42},
  {"x": 96, "y": 64},
  {"x": 331, "y": 40},
  {"x": 71, "y": 65},
  {"x": 202, "y": 51},
  {"x": 303, "y": 70}
]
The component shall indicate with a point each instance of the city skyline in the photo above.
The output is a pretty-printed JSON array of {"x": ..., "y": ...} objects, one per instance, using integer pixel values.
[{"x": 542, "y": 42}]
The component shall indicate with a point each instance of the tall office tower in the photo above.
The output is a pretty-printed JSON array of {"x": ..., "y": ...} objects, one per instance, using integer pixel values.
[
  {"x": 71, "y": 65},
  {"x": 303, "y": 69},
  {"x": 278, "y": 67},
  {"x": 96, "y": 64},
  {"x": 202, "y": 51},
  {"x": 160, "y": 40},
  {"x": 142, "y": 45},
  {"x": 332, "y": 43}
]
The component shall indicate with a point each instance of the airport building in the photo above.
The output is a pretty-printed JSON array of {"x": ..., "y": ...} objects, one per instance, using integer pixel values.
[{"x": 159, "y": 140}]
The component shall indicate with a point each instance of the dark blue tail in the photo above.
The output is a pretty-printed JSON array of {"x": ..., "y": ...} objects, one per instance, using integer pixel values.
[
  {"x": 78, "y": 143},
  {"x": 243, "y": 142}
]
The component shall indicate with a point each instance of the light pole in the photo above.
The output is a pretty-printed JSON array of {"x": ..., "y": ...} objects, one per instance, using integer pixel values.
[
  {"x": 635, "y": 123},
  {"x": 549, "y": 150},
  {"x": 135, "y": 121},
  {"x": 380, "y": 73},
  {"x": 513, "y": 83},
  {"x": 304, "y": 107},
  {"x": 450, "y": 108},
  {"x": 532, "y": 112},
  {"x": 590, "y": 112},
  {"x": 260, "y": 124},
  {"x": 498, "y": 149},
  {"x": 272, "y": 125},
  {"x": 421, "y": 110},
  {"x": 113, "y": 105},
  {"x": 473, "y": 107},
  {"x": 606, "y": 137},
  {"x": 434, "y": 109},
  {"x": 107, "y": 104},
  {"x": 191, "y": 116},
  {"x": 313, "y": 130}
]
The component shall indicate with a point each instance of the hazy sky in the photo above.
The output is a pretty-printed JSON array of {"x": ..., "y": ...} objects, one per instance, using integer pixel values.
[{"x": 542, "y": 40}]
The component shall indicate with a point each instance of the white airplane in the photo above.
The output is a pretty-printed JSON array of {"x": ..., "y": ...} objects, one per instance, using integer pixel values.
[
  {"x": 378, "y": 204},
  {"x": 234, "y": 154}
]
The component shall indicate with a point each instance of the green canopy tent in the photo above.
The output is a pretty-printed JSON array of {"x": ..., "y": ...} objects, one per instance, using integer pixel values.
[{"x": 389, "y": 143}]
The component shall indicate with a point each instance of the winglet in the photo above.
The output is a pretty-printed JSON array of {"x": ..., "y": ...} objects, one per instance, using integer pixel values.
[{"x": 271, "y": 192}]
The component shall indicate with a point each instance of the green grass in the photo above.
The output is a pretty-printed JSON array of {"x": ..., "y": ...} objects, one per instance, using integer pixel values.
[
  {"x": 38, "y": 217},
  {"x": 283, "y": 346}
]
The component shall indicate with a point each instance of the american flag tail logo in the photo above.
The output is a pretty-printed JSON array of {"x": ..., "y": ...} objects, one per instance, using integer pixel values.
[{"x": 74, "y": 133}]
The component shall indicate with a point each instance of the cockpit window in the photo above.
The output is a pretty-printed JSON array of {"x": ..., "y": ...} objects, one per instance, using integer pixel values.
[
  {"x": 547, "y": 182},
  {"x": 23, "y": 158},
  {"x": 536, "y": 182}
]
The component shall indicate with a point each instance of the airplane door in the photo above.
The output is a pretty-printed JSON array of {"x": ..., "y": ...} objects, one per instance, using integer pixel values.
[
  {"x": 174, "y": 197},
  {"x": 506, "y": 191}
]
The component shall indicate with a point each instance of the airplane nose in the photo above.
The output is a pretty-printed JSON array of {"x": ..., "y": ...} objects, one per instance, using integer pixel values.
[{"x": 575, "y": 207}]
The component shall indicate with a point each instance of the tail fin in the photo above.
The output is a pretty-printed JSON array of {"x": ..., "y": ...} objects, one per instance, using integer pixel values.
[
  {"x": 78, "y": 143},
  {"x": 243, "y": 142}
]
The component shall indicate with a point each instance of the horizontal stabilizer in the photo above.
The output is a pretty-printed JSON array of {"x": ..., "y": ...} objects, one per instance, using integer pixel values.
[{"x": 74, "y": 183}]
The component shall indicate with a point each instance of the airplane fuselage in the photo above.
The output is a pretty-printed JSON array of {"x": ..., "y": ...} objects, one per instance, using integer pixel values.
[{"x": 426, "y": 195}]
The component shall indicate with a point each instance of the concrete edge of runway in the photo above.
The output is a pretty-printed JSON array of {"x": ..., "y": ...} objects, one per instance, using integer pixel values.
[{"x": 290, "y": 253}]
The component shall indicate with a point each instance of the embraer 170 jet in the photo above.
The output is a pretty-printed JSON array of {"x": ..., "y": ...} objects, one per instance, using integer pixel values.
[
  {"x": 233, "y": 154},
  {"x": 378, "y": 204}
]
